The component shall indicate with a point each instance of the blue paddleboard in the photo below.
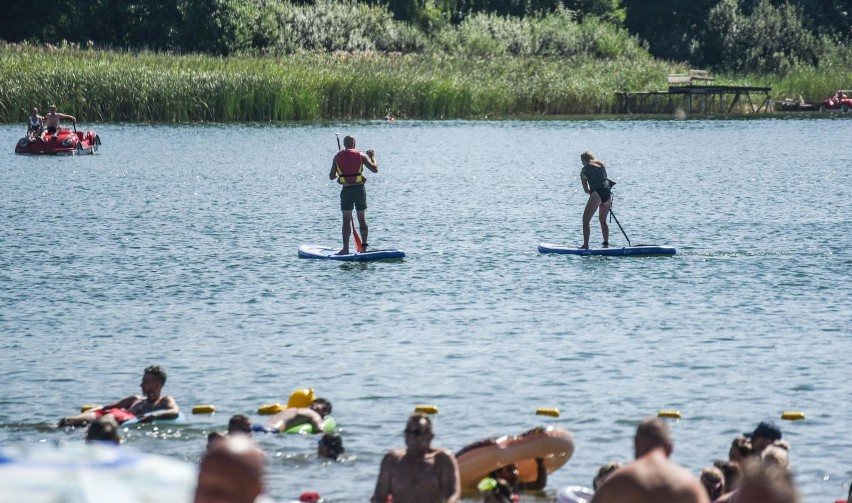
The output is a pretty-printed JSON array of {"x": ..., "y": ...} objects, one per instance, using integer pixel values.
[
  {"x": 640, "y": 250},
  {"x": 326, "y": 252}
]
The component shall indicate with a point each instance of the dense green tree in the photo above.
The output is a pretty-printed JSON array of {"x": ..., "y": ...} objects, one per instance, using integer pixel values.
[
  {"x": 217, "y": 26},
  {"x": 672, "y": 28},
  {"x": 769, "y": 39}
]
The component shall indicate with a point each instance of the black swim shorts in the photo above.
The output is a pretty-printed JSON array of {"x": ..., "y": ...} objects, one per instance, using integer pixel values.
[{"x": 353, "y": 195}]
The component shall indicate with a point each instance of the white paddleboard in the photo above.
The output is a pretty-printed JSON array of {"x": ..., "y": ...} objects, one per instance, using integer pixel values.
[{"x": 329, "y": 253}]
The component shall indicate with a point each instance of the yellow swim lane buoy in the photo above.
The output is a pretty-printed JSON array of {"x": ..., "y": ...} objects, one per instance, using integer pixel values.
[
  {"x": 204, "y": 409},
  {"x": 793, "y": 416},
  {"x": 426, "y": 409},
  {"x": 84, "y": 408},
  {"x": 552, "y": 412},
  {"x": 671, "y": 414}
]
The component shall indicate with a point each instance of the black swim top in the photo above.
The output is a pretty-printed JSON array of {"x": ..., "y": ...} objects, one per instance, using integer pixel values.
[{"x": 595, "y": 174}]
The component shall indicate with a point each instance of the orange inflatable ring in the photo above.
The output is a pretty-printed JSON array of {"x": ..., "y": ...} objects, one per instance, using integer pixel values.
[{"x": 477, "y": 460}]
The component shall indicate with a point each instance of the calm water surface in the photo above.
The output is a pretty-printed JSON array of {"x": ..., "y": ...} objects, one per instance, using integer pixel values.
[{"x": 177, "y": 246}]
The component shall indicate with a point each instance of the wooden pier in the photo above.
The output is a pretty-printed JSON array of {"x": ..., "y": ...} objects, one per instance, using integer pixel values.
[{"x": 695, "y": 93}]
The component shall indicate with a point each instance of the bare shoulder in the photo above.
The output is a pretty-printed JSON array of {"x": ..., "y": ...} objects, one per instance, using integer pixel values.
[
  {"x": 621, "y": 483},
  {"x": 394, "y": 455},
  {"x": 168, "y": 400},
  {"x": 444, "y": 455}
]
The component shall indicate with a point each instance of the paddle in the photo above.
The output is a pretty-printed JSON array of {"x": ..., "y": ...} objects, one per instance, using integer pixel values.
[
  {"x": 611, "y": 214},
  {"x": 358, "y": 246},
  {"x": 357, "y": 238}
]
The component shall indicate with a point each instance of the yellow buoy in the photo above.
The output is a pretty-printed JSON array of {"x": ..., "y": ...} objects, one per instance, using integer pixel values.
[
  {"x": 793, "y": 416},
  {"x": 270, "y": 408},
  {"x": 554, "y": 412},
  {"x": 204, "y": 409},
  {"x": 88, "y": 407},
  {"x": 426, "y": 409},
  {"x": 301, "y": 398},
  {"x": 674, "y": 414}
]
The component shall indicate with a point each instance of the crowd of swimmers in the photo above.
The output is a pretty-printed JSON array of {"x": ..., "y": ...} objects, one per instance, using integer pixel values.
[{"x": 757, "y": 468}]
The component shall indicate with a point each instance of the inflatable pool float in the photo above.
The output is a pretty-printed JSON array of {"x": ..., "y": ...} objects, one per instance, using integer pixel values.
[
  {"x": 300, "y": 398},
  {"x": 86, "y": 472},
  {"x": 328, "y": 425},
  {"x": 477, "y": 460},
  {"x": 179, "y": 419}
]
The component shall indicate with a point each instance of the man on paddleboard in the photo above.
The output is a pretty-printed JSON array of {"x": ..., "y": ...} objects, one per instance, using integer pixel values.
[
  {"x": 419, "y": 473},
  {"x": 347, "y": 168},
  {"x": 152, "y": 405}
]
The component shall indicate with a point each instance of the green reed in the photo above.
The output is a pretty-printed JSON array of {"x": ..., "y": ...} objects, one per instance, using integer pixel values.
[{"x": 103, "y": 86}]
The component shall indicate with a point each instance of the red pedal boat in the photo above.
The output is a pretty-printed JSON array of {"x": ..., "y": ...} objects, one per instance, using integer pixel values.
[
  {"x": 840, "y": 102},
  {"x": 66, "y": 142}
]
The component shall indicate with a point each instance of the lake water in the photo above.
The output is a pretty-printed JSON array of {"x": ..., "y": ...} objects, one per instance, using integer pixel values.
[{"x": 176, "y": 245}]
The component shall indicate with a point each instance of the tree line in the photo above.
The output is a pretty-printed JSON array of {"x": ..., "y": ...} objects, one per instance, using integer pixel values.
[{"x": 764, "y": 36}]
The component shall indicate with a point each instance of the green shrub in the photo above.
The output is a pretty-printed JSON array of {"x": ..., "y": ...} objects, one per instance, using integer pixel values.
[{"x": 770, "y": 39}]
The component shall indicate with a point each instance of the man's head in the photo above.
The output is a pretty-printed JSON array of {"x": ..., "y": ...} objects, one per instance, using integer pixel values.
[
  {"x": 418, "y": 431},
  {"x": 330, "y": 446},
  {"x": 766, "y": 483},
  {"x": 321, "y": 406},
  {"x": 651, "y": 434},
  {"x": 349, "y": 142},
  {"x": 153, "y": 380},
  {"x": 103, "y": 429},
  {"x": 230, "y": 472},
  {"x": 740, "y": 448},
  {"x": 239, "y": 423},
  {"x": 763, "y": 436},
  {"x": 53, "y": 108},
  {"x": 35, "y": 111},
  {"x": 509, "y": 473}
]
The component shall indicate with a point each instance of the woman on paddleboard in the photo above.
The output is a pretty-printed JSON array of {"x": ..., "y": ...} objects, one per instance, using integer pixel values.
[{"x": 597, "y": 186}]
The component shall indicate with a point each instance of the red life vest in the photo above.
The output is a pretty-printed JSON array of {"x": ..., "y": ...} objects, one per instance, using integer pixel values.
[{"x": 349, "y": 169}]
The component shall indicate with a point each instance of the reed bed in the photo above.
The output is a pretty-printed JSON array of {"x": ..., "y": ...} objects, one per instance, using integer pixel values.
[
  {"x": 113, "y": 86},
  {"x": 105, "y": 86}
]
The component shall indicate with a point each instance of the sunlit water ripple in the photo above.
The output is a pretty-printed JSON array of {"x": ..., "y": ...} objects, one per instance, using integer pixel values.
[{"x": 177, "y": 246}]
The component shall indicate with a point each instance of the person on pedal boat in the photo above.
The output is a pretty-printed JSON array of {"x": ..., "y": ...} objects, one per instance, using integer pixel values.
[{"x": 53, "y": 119}]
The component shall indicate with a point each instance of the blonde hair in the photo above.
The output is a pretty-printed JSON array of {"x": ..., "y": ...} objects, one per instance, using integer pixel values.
[{"x": 588, "y": 159}]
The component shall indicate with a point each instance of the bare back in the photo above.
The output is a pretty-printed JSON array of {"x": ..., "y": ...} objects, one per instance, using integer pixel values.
[
  {"x": 289, "y": 418},
  {"x": 427, "y": 479},
  {"x": 651, "y": 479}
]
